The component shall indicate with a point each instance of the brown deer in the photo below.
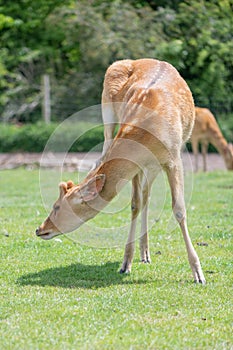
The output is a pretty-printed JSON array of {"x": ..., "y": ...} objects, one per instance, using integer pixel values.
[
  {"x": 155, "y": 110},
  {"x": 205, "y": 131}
]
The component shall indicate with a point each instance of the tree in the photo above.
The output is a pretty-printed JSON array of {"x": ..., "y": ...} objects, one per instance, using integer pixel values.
[
  {"x": 26, "y": 48},
  {"x": 75, "y": 41},
  {"x": 96, "y": 36},
  {"x": 206, "y": 30}
]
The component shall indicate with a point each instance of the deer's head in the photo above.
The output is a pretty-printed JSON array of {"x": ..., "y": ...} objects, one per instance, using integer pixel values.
[
  {"x": 73, "y": 207},
  {"x": 229, "y": 156}
]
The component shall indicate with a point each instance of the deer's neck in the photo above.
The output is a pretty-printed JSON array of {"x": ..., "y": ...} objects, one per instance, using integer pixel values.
[
  {"x": 117, "y": 172},
  {"x": 125, "y": 158},
  {"x": 219, "y": 142}
]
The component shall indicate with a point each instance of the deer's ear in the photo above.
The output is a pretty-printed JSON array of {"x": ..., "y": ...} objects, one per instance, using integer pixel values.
[
  {"x": 70, "y": 184},
  {"x": 63, "y": 189},
  {"x": 92, "y": 188}
]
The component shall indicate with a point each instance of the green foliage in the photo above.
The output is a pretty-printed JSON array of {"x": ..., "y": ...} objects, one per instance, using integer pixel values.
[
  {"x": 205, "y": 29},
  {"x": 34, "y": 137},
  {"x": 73, "y": 137},
  {"x": 105, "y": 39},
  {"x": 75, "y": 41},
  {"x": 226, "y": 124},
  {"x": 60, "y": 295},
  {"x": 30, "y": 138}
]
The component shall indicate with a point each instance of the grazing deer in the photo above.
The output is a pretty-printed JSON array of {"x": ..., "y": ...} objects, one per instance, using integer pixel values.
[
  {"x": 205, "y": 131},
  {"x": 156, "y": 113}
]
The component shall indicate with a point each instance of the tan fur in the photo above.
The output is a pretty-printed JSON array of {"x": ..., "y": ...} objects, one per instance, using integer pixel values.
[
  {"x": 155, "y": 109},
  {"x": 205, "y": 131},
  {"x": 117, "y": 76}
]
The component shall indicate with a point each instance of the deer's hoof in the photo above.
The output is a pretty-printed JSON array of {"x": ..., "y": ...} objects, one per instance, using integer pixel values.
[{"x": 146, "y": 261}]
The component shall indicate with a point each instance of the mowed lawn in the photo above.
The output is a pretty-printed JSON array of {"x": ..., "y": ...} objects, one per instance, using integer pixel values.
[{"x": 67, "y": 293}]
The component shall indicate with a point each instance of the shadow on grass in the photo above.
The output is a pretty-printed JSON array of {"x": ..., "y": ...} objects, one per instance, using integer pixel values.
[{"x": 79, "y": 276}]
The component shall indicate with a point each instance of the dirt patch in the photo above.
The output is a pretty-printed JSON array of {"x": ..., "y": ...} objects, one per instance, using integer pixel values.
[
  {"x": 84, "y": 161},
  {"x": 68, "y": 161}
]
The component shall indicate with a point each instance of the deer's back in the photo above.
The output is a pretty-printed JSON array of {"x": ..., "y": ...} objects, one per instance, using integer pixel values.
[
  {"x": 151, "y": 95},
  {"x": 206, "y": 126}
]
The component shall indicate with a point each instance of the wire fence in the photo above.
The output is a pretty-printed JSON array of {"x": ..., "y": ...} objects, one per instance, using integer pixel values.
[{"x": 52, "y": 102}]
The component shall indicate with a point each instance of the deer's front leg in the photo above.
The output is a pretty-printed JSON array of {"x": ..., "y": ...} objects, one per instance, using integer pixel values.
[
  {"x": 144, "y": 237},
  {"x": 135, "y": 209},
  {"x": 146, "y": 183},
  {"x": 204, "y": 149},
  {"x": 194, "y": 142}
]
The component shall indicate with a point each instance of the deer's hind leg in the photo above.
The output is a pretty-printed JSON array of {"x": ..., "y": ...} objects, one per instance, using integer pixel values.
[
  {"x": 204, "y": 149},
  {"x": 176, "y": 181}
]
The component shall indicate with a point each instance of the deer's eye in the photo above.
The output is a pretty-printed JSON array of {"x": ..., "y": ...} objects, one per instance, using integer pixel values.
[{"x": 56, "y": 207}]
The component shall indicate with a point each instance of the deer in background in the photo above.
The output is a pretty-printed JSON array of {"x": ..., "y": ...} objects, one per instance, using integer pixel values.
[
  {"x": 205, "y": 131},
  {"x": 155, "y": 109}
]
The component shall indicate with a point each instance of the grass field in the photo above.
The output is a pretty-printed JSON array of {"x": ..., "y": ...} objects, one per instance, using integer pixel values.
[{"x": 68, "y": 294}]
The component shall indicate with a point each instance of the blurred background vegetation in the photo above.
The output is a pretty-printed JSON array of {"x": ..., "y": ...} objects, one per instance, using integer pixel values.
[{"x": 74, "y": 42}]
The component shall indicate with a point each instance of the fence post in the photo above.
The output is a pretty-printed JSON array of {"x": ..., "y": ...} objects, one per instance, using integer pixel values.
[{"x": 46, "y": 108}]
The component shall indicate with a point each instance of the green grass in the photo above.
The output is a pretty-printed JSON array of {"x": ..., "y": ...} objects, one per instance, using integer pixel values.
[{"x": 60, "y": 294}]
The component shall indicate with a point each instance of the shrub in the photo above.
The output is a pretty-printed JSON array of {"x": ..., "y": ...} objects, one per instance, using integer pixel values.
[
  {"x": 226, "y": 124},
  {"x": 71, "y": 137},
  {"x": 80, "y": 137}
]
